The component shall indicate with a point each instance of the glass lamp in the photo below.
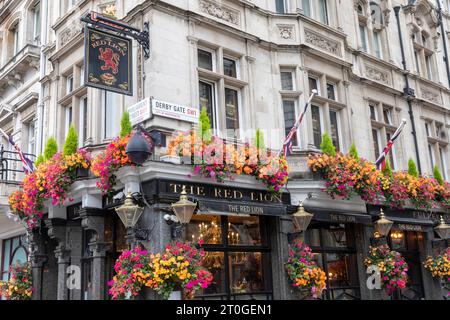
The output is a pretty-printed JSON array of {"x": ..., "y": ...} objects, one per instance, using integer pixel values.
[
  {"x": 129, "y": 212},
  {"x": 443, "y": 229},
  {"x": 184, "y": 209},
  {"x": 301, "y": 218},
  {"x": 383, "y": 225}
]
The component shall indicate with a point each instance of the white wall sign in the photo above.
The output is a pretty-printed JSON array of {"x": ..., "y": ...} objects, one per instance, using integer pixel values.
[
  {"x": 140, "y": 111},
  {"x": 175, "y": 111}
]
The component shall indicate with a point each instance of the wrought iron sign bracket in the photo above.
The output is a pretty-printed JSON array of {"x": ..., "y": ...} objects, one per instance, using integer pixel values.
[{"x": 121, "y": 28}]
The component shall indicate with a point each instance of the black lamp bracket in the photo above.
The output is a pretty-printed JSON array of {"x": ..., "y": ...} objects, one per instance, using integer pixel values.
[{"x": 121, "y": 28}]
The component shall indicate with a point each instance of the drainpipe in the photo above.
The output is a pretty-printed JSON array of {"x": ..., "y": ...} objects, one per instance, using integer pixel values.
[
  {"x": 40, "y": 104},
  {"x": 408, "y": 91},
  {"x": 444, "y": 40}
]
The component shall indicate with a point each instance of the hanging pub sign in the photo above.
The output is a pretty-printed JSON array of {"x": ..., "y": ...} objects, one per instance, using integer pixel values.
[{"x": 108, "y": 61}]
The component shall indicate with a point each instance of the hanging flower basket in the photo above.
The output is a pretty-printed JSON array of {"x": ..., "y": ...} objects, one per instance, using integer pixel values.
[
  {"x": 392, "y": 266},
  {"x": 308, "y": 279}
]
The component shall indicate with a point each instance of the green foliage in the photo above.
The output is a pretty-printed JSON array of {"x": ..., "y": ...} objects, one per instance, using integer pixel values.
[
  {"x": 327, "y": 146},
  {"x": 388, "y": 169},
  {"x": 71, "y": 143},
  {"x": 125, "y": 125},
  {"x": 50, "y": 148},
  {"x": 205, "y": 131},
  {"x": 438, "y": 176},
  {"x": 412, "y": 169},
  {"x": 258, "y": 141},
  {"x": 353, "y": 151},
  {"x": 39, "y": 160}
]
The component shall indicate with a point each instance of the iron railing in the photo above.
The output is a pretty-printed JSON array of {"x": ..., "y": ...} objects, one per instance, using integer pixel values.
[{"x": 11, "y": 167}]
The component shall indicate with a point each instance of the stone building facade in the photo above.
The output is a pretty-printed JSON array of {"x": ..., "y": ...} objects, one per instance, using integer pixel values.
[{"x": 253, "y": 64}]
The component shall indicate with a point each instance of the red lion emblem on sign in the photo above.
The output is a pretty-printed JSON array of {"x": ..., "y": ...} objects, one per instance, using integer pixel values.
[{"x": 110, "y": 58}]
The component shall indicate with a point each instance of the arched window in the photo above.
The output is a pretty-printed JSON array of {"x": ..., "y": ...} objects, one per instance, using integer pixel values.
[
  {"x": 423, "y": 33},
  {"x": 13, "y": 39}
]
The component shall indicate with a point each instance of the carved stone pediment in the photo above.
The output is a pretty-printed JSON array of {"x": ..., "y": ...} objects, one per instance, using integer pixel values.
[
  {"x": 430, "y": 95},
  {"x": 220, "y": 11},
  {"x": 70, "y": 32},
  {"x": 377, "y": 74},
  {"x": 322, "y": 42}
]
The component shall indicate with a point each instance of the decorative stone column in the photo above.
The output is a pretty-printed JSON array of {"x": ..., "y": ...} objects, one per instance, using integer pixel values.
[
  {"x": 93, "y": 220},
  {"x": 57, "y": 231},
  {"x": 279, "y": 230},
  {"x": 38, "y": 258}
]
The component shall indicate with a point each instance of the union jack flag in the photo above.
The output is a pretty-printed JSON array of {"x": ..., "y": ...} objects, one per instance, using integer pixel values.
[
  {"x": 27, "y": 163},
  {"x": 381, "y": 161},
  {"x": 288, "y": 141}
]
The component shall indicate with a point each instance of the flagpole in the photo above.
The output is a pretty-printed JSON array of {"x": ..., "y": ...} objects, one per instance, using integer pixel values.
[
  {"x": 393, "y": 138},
  {"x": 300, "y": 118}
]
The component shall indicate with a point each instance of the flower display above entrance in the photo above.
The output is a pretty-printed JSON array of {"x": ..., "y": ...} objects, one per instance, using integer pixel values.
[
  {"x": 347, "y": 176},
  {"x": 214, "y": 158}
]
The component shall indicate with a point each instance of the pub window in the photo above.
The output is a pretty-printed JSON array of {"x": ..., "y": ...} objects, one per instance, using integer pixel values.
[
  {"x": 237, "y": 254},
  {"x": 232, "y": 109},
  {"x": 281, "y": 6},
  {"x": 306, "y": 7},
  {"x": 289, "y": 117},
  {"x": 363, "y": 36},
  {"x": 111, "y": 109},
  {"x": 207, "y": 99},
  {"x": 69, "y": 84},
  {"x": 429, "y": 65},
  {"x": 387, "y": 115},
  {"x": 376, "y": 143},
  {"x": 36, "y": 11},
  {"x": 230, "y": 67},
  {"x": 205, "y": 59},
  {"x": 416, "y": 60},
  {"x": 323, "y": 11},
  {"x": 316, "y": 125},
  {"x": 331, "y": 91},
  {"x": 443, "y": 158},
  {"x": 287, "y": 80},
  {"x": 439, "y": 131},
  {"x": 313, "y": 84},
  {"x": 334, "y": 122},
  {"x": 373, "y": 112},
  {"x": 31, "y": 131},
  {"x": 14, "y": 250},
  {"x": 334, "y": 246},
  {"x": 14, "y": 32},
  {"x": 427, "y": 128},
  {"x": 68, "y": 119},
  {"x": 82, "y": 75},
  {"x": 431, "y": 154},
  {"x": 84, "y": 120},
  {"x": 377, "y": 44}
]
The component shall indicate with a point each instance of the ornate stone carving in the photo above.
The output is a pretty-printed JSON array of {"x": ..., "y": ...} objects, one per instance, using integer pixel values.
[
  {"x": 286, "y": 31},
  {"x": 322, "y": 42},
  {"x": 69, "y": 33},
  {"x": 430, "y": 95},
  {"x": 378, "y": 75},
  {"x": 221, "y": 12}
]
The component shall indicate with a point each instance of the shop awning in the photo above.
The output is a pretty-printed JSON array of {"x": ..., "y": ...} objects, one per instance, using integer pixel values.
[{"x": 340, "y": 217}]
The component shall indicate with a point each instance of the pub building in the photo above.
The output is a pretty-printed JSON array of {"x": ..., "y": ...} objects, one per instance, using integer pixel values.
[{"x": 246, "y": 233}]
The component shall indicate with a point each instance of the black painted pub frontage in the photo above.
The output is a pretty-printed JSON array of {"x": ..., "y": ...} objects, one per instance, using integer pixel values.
[{"x": 246, "y": 233}]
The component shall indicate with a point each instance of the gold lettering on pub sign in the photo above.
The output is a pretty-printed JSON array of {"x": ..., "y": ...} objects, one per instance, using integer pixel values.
[{"x": 226, "y": 194}]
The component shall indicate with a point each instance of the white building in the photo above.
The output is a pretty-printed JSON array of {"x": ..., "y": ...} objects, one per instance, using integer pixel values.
[{"x": 252, "y": 63}]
